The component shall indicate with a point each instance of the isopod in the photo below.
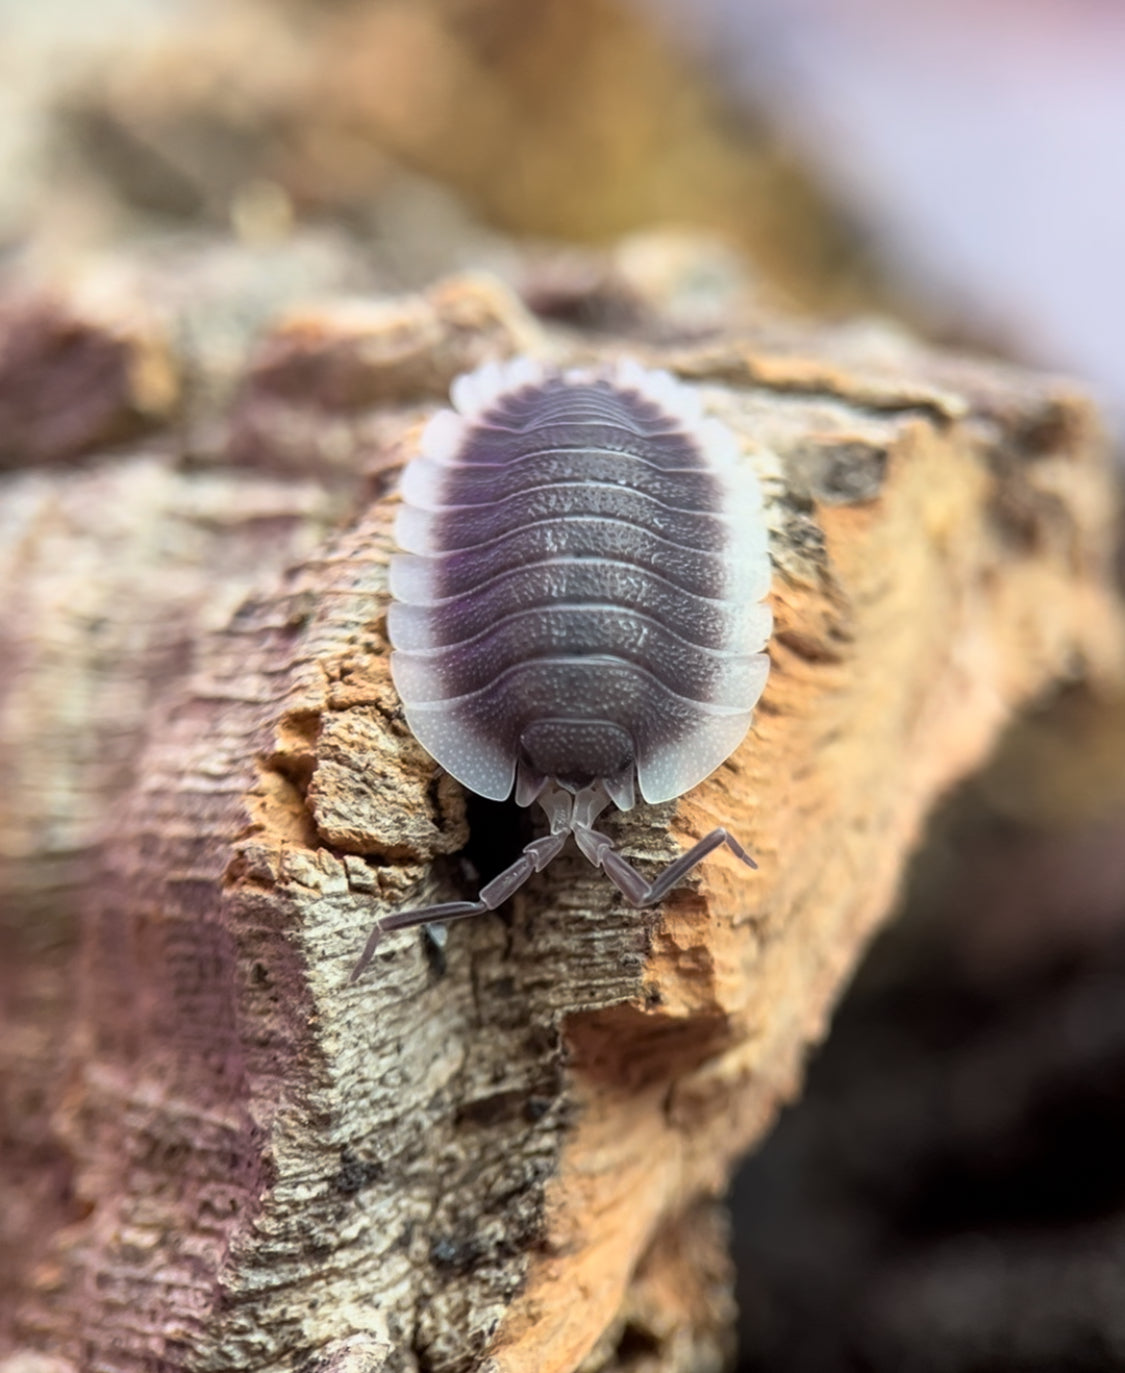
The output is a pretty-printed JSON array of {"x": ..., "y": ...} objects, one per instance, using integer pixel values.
[{"x": 577, "y": 611}]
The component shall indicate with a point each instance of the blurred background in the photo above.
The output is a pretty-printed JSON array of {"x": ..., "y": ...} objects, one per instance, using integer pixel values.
[{"x": 950, "y": 1192}]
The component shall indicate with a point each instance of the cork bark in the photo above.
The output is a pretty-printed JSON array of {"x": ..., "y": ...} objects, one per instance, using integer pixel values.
[{"x": 507, "y": 1150}]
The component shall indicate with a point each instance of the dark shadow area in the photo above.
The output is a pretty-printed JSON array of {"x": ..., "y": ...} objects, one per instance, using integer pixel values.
[
  {"x": 498, "y": 831},
  {"x": 949, "y": 1194}
]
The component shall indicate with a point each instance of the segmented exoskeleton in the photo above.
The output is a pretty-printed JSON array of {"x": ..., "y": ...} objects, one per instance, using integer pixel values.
[{"x": 578, "y": 610}]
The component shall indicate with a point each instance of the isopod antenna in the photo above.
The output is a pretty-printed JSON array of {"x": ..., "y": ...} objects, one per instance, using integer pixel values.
[{"x": 568, "y": 814}]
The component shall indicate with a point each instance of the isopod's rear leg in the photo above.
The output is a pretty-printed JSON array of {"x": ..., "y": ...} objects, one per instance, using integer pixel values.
[
  {"x": 629, "y": 881},
  {"x": 534, "y": 858}
]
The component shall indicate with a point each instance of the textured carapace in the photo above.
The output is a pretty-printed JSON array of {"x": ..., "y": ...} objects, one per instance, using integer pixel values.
[{"x": 578, "y": 610}]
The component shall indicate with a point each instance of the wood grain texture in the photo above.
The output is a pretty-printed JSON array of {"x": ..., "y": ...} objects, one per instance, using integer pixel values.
[{"x": 505, "y": 1153}]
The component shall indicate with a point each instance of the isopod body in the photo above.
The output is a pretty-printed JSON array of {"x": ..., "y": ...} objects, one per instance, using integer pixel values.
[{"x": 578, "y": 607}]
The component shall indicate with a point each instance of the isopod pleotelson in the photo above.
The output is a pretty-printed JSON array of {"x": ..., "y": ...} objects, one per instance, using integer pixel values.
[{"x": 577, "y": 611}]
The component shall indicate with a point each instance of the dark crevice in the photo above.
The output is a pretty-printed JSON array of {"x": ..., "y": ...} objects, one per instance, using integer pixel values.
[
  {"x": 636, "y": 1345},
  {"x": 498, "y": 831}
]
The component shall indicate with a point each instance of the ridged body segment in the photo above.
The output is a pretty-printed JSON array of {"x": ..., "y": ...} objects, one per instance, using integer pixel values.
[{"x": 581, "y": 585}]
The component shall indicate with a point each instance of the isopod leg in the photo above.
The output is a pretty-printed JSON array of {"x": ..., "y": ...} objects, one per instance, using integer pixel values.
[
  {"x": 629, "y": 881},
  {"x": 534, "y": 858}
]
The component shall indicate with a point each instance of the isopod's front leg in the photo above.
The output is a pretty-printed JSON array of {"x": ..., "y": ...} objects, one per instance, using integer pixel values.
[
  {"x": 534, "y": 858},
  {"x": 600, "y": 851}
]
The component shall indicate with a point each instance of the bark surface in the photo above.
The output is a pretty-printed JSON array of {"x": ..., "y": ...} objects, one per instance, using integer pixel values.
[{"x": 505, "y": 1151}]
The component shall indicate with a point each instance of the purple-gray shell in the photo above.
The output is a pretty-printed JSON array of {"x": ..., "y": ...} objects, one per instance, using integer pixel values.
[{"x": 580, "y": 596}]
